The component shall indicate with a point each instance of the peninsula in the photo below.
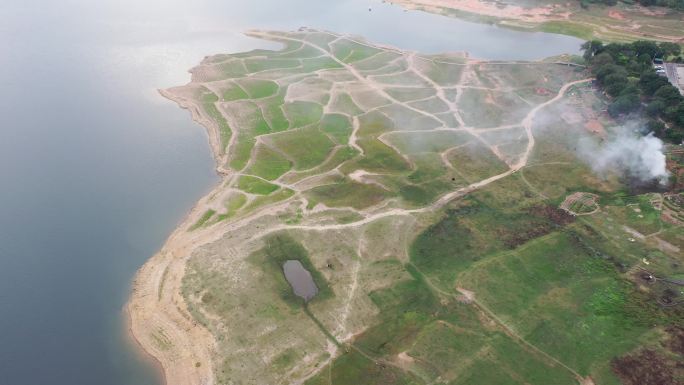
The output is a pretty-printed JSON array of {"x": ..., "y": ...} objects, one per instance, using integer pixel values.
[{"x": 452, "y": 231}]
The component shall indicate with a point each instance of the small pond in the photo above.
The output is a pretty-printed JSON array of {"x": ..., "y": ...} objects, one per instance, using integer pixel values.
[{"x": 300, "y": 279}]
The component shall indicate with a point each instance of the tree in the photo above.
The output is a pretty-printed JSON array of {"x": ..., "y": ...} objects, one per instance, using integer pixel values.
[
  {"x": 657, "y": 127},
  {"x": 624, "y": 104},
  {"x": 650, "y": 82},
  {"x": 668, "y": 94},
  {"x": 591, "y": 48},
  {"x": 676, "y": 4},
  {"x": 615, "y": 83},
  {"x": 616, "y": 66},
  {"x": 609, "y": 69},
  {"x": 649, "y": 48},
  {"x": 636, "y": 67},
  {"x": 645, "y": 59},
  {"x": 655, "y": 108},
  {"x": 674, "y": 135},
  {"x": 629, "y": 89},
  {"x": 679, "y": 115},
  {"x": 602, "y": 59},
  {"x": 670, "y": 49},
  {"x": 670, "y": 113}
]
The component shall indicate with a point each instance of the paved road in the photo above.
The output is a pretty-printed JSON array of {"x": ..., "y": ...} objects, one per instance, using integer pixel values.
[{"x": 673, "y": 75}]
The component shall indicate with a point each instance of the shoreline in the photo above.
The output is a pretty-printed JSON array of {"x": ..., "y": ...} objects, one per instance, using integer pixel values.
[
  {"x": 144, "y": 355},
  {"x": 159, "y": 323}
]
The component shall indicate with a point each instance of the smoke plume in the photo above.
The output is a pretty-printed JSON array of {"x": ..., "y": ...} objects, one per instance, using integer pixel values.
[{"x": 627, "y": 153}]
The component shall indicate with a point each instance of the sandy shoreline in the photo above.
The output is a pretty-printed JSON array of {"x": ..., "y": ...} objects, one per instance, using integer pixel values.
[
  {"x": 159, "y": 321},
  {"x": 139, "y": 349},
  {"x": 491, "y": 9}
]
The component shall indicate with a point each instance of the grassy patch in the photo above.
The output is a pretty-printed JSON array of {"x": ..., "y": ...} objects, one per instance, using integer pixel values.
[
  {"x": 277, "y": 196},
  {"x": 209, "y": 100},
  {"x": 301, "y": 113},
  {"x": 444, "y": 74},
  {"x": 231, "y": 68},
  {"x": 407, "y": 94},
  {"x": 406, "y": 119},
  {"x": 567, "y": 28},
  {"x": 340, "y": 155},
  {"x": 380, "y": 158},
  {"x": 467, "y": 234},
  {"x": 234, "y": 203},
  {"x": 319, "y": 63},
  {"x": 254, "y": 185},
  {"x": 421, "y": 195},
  {"x": 233, "y": 91},
  {"x": 338, "y": 126},
  {"x": 306, "y": 147},
  {"x": 475, "y": 161},
  {"x": 438, "y": 141},
  {"x": 252, "y": 124},
  {"x": 575, "y": 177},
  {"x": 259, "y": 88},
  {"x": 564, "y": 300},
  {"x": 258, "y": 65},
  {"x": 479, "y": 109},
  {"x": 241, "y": 151},
  {"x": 355, "y": 369},
  {"x": 349, "y": 51},
  {"x": 268, "y": 164},
  {"x": 639, "y": 214},
  {"x": 203, "y": 219},
  {"x": 348, "y": 194},
  {"x": 343, "y": 103},
  {"x": 273, "y": 112}
]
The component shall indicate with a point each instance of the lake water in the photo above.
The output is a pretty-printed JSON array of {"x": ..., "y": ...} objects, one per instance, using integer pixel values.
[
  {"x": 96, "y": 169},
  {"x": 300, "y": 279}
]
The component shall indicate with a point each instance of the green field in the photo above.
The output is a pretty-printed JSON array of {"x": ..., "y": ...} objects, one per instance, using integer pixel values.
[{"x": 254, "y": 185}]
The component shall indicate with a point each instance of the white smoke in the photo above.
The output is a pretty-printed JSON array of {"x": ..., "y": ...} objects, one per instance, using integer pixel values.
[{"x": 627, "y": 153}]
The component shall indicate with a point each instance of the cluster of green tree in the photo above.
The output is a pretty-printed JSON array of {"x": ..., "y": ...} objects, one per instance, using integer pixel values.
[
  {"x": 676, "y": 4},
  {"x": 626, "y": 73}
]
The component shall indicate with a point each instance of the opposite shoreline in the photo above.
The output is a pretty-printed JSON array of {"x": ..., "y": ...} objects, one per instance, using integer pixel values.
[{"x": 620, "y": 23}]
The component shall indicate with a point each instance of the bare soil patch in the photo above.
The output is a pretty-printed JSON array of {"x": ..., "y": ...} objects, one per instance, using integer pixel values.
[
  {"x": 647, "y": 367},
  {"x": 495, "y": 9},
  {"x": 616, "y": 15},
  {"x": 595, "y": 127}
]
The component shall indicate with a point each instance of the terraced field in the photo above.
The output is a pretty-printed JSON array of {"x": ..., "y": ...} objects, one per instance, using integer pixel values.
[{"x": 422, "y": 193}]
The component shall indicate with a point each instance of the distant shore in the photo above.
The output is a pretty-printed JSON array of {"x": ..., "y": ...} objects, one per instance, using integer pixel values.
[{"x": 619, "y": 23}]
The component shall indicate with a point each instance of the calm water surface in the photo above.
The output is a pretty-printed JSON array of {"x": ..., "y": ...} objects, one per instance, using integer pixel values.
[
  {"x": 96, "y": 169},
  {"x": 300, "y": 279}
]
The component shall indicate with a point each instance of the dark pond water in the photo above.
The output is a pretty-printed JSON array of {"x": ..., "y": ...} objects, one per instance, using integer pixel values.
[
  {"x": 96, "y": 169},
  {"x": 300, "y": 279}
]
